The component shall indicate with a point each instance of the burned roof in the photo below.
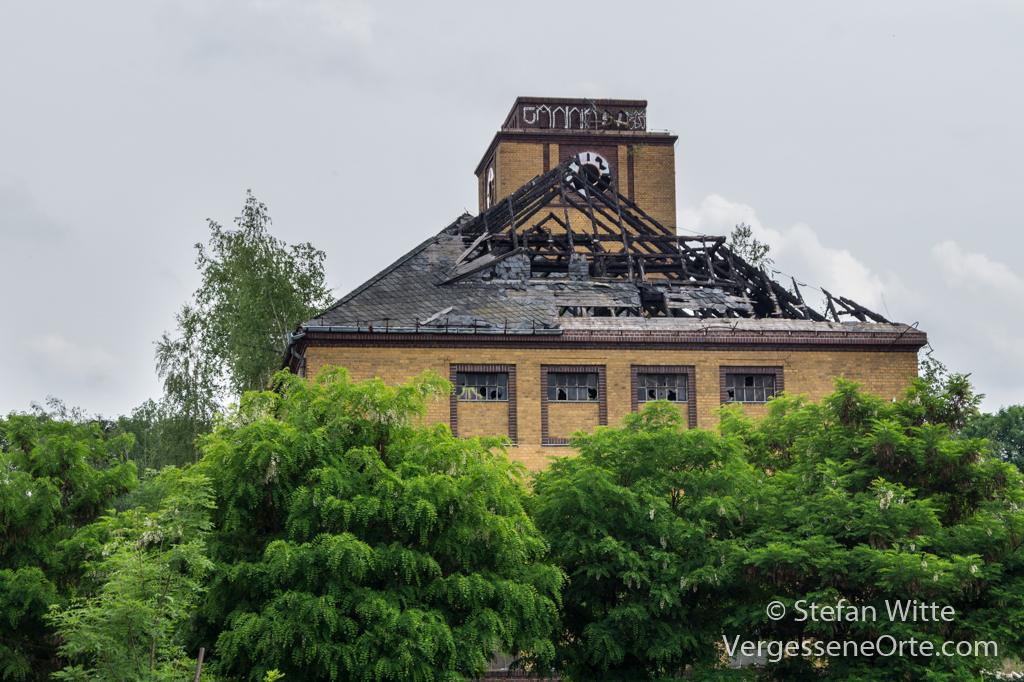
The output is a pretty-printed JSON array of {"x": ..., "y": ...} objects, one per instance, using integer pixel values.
[{"x": 568, "y": 246}]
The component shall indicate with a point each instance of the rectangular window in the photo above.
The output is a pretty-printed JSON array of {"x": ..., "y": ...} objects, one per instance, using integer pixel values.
[
  {"x": 749, "y": 388},
  {"x": 491, "y": 386},
  {"x": 675, "y": 383},
  {"x": 572, "y": 387},
  {"x": 671, "y": 387}
]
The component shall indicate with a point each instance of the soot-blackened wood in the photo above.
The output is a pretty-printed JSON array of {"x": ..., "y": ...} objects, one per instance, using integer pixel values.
[
  {"x": 796, "y": 290},
  {"x": 831, "y": 307},
  {"x": 594, "y": 222},
  {"x": 512, "y": 224},
  {"x": 625, "y": 240},
  {"x": 480, "y": 264},
  {"x": 539, "y": 205},
  {"x": 647, "y": 247},
  {"x": 864, "y": 311},
  {"x": 658, "y": 227},
  {"x": 565, "y": 208},
  {"x": 847, "y": 309}
]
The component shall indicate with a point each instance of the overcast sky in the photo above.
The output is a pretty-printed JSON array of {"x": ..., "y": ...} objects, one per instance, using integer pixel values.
[{"x": 877, "y": 146}]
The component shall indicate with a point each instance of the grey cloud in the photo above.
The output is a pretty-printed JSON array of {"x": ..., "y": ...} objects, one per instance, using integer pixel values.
[
  {"x": 23, "y": 222},
  {"x": 302, "y": 35}
]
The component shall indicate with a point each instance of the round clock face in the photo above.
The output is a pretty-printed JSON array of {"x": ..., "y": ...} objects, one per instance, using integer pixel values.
[{"x": 593, "y": 168}]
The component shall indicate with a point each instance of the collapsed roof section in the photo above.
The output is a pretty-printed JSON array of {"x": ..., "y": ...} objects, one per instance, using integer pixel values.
[
  {"x": 569, "y": 245},
  {"x": 572, "y": 222}
]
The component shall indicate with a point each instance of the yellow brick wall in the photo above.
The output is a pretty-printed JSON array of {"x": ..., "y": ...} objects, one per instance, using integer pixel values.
[
  {"x": 480, "y": 418},
  {"x": 516, "y": 163},
  {"x": 622, "y": 181},
  {"x": 565, "y": 419},
  {"x": 654, "y": 182},
  {"x": 482, "y": 192},
  {"x": 809, "y": 372}
]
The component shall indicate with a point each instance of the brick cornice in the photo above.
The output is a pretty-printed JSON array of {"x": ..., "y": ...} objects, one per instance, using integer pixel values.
[
  {"x": 880, "y": 342},
  {"x": 561, "y": 136}
]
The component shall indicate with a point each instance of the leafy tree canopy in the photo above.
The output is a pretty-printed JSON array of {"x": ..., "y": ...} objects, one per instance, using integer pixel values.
[
  {"x": 742, "y": 242},
  {"x": 57, "y": 474},
  {"x": 945, "y": 397},
  {"x": 1004, "y": 431},
  {"x": 150, "y": 566},
  {"x": 355, "y": 546},
  {"x": 643, "y": 521},
  {"x": 870, "y": 501},
  {"x": 255, "y": 288}
]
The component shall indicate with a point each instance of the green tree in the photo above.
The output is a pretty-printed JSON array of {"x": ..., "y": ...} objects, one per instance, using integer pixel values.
[
  {"x": 867, "y": 501},
  {"x": 354, "y": 545},
  {"x": 255, "y": 288},
  {"x": 164, "y": 436},
  {"x": 1004, "y": 431},
  {"x": 945, "y": 397},
  {"x": 194, "y": 387},
  {"x": 230, "y": 338},
  {"x": 150, "y": 567},
  {"x": 743, "y": 244},
  {"x": 58, "y": 472},
  {"x": 643, "y": 521}
]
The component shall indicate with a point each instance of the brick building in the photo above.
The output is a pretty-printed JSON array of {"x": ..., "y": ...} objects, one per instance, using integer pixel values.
[{"x": 570, "y": 300}]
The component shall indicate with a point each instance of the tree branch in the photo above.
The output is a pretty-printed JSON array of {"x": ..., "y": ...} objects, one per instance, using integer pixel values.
[
  {"x": 277, "y": 318},
  {"x": 152, "y": 653},
  {"x": 131, "y": 638},
  {"x": 107, "y": 661}
]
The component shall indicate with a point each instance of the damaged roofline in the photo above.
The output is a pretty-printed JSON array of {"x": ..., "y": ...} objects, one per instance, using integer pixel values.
[{"x": 431, "y": 330}]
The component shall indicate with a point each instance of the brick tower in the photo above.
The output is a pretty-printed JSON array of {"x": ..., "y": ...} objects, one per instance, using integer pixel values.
[{"x": 542, "y": 132}]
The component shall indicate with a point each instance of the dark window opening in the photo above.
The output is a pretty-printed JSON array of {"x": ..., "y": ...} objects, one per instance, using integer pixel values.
[
  {"x": 572, "y": 387},
  {"x": 671, "y": 387},
  {"x": 492, "y": 386},
  {"x": 749, "y": 388}
]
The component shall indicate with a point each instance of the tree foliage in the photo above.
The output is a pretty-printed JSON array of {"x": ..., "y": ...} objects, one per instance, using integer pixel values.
[
  {"x": 643, "y": 522},
  {"x": 150, "y": 566},
  {"x": 867, "y": 501},
  {"x": 1004, "y": 431},
  {"x": 353, "y": 545},
  {"x": 351, "y": 542},
  {"x": 255, "y": 288},
  {"x": 57, "y": 474},
  {"x": 742, "y": 243},
  {"x": 164, "y": 436},
  {"x": 943, "y": 397},
  {"x": 194, "y": 386}
]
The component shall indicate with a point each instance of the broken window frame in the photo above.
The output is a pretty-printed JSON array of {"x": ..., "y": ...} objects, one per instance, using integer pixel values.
[
  {"x": 689, "y": 406},
  {"x": 573, "y": 385},
  {"x": 651, "y": 387},
  {"x": 491, "y": 387},
  {"x": 750, "y": 385},
  {"x": 546, "y": 439}
]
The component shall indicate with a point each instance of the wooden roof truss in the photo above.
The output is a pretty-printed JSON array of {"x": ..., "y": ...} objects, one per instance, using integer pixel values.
[{"x": 566, "y": 214}]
